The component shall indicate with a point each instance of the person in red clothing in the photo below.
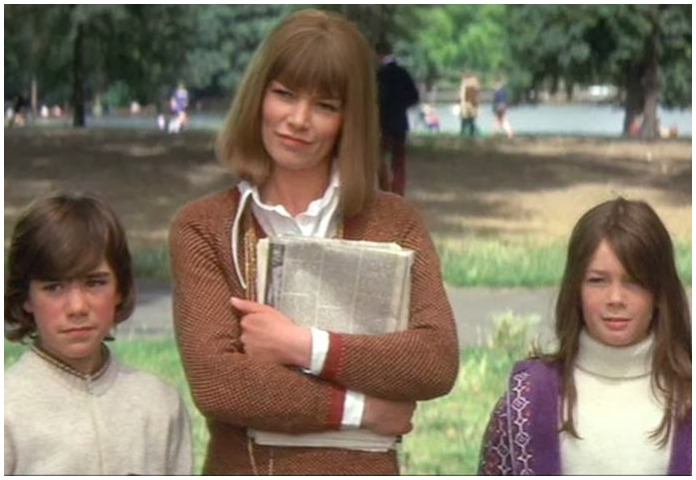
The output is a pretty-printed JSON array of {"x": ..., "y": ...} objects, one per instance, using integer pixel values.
[
  {"x": 397, "y": 93},
  {"x": 302, "y": 134}
]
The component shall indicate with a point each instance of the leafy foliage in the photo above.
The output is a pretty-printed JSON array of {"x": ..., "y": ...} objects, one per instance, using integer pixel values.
[{"x": 141, "y": 51}]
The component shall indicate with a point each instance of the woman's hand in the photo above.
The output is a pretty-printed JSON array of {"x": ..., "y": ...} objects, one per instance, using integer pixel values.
[
  {"x": 388, "y": 417},
  {"x": 270, "y": 336}
]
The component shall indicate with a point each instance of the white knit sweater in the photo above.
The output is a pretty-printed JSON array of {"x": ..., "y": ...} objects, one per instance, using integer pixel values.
[
  {"x": 120, "y": 421},
  {"x": 616, "y": 411}
]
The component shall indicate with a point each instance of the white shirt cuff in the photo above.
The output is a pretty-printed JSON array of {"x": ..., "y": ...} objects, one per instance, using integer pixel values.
[
  {"x": 353, "y": 407},
  {"x": 320, "y": 348}
]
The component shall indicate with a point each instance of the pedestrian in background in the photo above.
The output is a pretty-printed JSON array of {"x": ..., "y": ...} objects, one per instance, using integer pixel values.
[
  {"x": 500, "y": 108},
  {"x": 397, "y": 93},
  {"x": 619, "y": 383},
  {"x": 178, "y": 104},
  {"x": 469, "y": 101}
]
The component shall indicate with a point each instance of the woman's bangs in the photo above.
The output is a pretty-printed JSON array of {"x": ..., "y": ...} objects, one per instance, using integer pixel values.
[{"x": 314, "y": 70}]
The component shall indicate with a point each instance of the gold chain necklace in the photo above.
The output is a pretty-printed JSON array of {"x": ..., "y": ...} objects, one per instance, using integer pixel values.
[{"x": 249, "y": 241}]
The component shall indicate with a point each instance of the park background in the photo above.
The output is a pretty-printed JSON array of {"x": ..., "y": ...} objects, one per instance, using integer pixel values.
[{"x": 499, "y": 209}]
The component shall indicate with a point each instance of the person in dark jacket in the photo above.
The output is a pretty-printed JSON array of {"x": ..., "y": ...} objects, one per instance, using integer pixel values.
[{"x": 397, "y": 93}]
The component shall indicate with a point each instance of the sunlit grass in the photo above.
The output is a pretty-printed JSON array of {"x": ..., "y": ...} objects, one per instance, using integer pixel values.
[
  {"x": 160, "y": 357},
  {"x": 475, "y": 262},
  {"x": 469, "y": 262},
  {"x": 448, "y": 430}
]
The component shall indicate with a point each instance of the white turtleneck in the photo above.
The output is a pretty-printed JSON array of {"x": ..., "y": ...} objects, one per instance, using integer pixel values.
[{"x": 615, "y": 413}]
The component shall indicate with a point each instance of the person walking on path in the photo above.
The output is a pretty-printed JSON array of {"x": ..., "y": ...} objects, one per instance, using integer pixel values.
[
  {"x": 178, "y": 104},
  {"x": 468, "y": 103},
  {"x": 500, "y": 108},
  {"x": 397, "y": 93}
]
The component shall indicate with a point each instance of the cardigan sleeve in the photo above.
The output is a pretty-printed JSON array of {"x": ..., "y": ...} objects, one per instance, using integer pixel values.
[
  {"x": 226, "y": 384},
  {"x": 419, "y": 363}
]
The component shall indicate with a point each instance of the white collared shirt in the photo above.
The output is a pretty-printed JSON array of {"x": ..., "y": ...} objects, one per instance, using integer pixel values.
[{"x": 319, "y": 220}]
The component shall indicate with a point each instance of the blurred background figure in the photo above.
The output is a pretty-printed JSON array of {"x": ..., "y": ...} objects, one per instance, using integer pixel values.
[
  {"x": 179, "y": 104},
  {"x": 430, "y": 118},
  {"x": 500, "y": 106},
  {"x": 19, "y": 111},
  {"x": 397, "y": 93},
  {"x": 468, "y": 101}
]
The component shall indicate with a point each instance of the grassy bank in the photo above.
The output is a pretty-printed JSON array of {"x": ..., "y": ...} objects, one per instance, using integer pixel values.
[
  {"x": 471, "y": 262},
  {"x": 447, "y": 436},
  {"x": 521, "y": 263}
]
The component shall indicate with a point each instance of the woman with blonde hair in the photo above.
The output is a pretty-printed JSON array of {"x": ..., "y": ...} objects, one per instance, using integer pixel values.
[
  {"x": 303, "y": 136},
  {"x": 615, "y": 397}
]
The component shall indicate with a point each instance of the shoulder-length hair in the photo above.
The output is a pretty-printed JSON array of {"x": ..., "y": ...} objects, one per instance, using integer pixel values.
[
  {"x": 323, "y": 53},
  {"x": 643, "y": 246},
  {"x": 64, "y": 236}
]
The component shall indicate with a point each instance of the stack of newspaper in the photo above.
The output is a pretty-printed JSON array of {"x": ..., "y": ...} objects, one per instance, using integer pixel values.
[{"x": 346, "y": 286}]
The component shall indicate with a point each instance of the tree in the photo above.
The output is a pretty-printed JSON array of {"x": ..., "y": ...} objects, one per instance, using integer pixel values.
[
  {"x": 139, "y": 45},
  {"x": 226, "y": 38},
  {"x": 455, "y": 38},
  {"x": 625, "y": 45},
  {"x": 33, "y": 59}
]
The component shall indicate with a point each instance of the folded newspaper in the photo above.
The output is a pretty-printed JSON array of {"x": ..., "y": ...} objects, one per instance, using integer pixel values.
[{"x": 346, "y": 286}]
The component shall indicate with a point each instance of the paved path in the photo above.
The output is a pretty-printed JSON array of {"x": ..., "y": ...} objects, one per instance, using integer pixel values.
[{"x": 474, "y": 310}]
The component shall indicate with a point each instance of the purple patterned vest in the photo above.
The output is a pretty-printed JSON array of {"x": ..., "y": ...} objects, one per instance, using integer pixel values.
[{"x": 522, "y": 438}]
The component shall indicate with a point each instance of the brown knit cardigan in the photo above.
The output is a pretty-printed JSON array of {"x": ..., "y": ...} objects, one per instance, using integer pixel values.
[{"x": 235, "y": 392}]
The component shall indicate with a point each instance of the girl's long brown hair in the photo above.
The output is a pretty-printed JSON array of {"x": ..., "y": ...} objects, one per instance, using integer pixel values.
[{"x": 642, "y": 244}]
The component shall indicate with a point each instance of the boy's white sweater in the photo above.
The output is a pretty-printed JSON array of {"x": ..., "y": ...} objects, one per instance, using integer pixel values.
[{"x": 122, "y": 421}]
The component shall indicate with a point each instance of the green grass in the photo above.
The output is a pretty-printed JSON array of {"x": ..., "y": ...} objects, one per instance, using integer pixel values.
[
  {"x": 158, "y": 356},
  {"x": 448, "y": 431},
  {"x": 447, "y": 436},
  {"x": 470, "y": 262},
  {"x": 152, "y": 263},
  {"x": 520, "y": 263},
  {"x": 500, "y": 263}
]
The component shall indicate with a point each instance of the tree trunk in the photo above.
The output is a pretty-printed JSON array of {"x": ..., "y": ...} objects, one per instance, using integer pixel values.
[
  {"x": 635, "y": 97},
  {"x": 34, "y": 97},
  {"x": 651, "y": 82},
  {"x": 79, "y": 77}
]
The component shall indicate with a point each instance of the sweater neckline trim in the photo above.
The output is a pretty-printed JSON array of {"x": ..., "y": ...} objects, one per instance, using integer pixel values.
[{"x": 59, "y": 364}]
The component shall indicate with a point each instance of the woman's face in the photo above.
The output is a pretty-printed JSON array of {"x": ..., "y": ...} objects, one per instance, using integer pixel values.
[
  {"x": 617, "y": 310},
  {"x": 299, "y": 129}
]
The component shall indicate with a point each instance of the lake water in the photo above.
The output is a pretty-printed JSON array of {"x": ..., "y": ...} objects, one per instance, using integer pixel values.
[
  {"x": 558, "y": 119},
  {"x": 546, "y": 119}
]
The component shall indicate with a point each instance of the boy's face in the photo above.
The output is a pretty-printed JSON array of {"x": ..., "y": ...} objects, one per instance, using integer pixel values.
[{"x": 73, "y": 316}]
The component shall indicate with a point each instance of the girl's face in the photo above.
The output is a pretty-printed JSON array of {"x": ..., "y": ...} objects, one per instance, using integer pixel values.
[
  {"x": 300, "y": 130},
  {"x": 73, "y": 316},
  {"x": 616, "y": 309}
]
